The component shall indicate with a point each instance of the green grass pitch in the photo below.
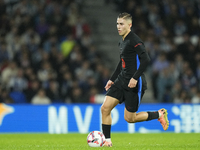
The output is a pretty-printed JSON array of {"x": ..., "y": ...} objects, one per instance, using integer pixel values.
[{"x": 121, "y": 141}]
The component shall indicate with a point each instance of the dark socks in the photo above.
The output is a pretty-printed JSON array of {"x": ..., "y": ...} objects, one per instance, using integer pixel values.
[
  {"x": 106, "y": 130},
  {"x": 152, "y": 115}
]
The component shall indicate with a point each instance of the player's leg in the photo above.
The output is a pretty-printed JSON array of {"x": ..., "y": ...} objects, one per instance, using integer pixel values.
[
  {"x": 161, "y": 115},
  {"x": 132, "y": 103},
  {"x": 133, "y": 117},
  {"x": 106, "y": 108}
]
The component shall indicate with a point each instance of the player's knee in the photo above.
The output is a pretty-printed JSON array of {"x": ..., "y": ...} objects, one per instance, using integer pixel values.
[
  {"x": 129, "y": 119},
  {"x": 105, "y": 110}
]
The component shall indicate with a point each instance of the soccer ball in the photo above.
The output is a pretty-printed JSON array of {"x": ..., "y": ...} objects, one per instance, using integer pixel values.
[{"x": 96, "y": 139}]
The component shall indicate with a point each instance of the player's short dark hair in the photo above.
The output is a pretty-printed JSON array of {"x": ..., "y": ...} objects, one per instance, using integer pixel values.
[{"x": 125, "y": 15}]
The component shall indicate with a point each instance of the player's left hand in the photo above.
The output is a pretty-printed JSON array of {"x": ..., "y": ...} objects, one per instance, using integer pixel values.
[{"x": 132, "y": 83}]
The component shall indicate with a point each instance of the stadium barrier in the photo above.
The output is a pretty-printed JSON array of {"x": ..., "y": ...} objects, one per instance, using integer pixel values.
[{"x": 83, "y": 118}]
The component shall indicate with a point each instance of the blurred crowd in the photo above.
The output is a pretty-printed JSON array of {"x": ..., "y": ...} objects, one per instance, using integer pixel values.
[
  {"x": 170, "y": 30},
  {"x": 47, "y": 54}
]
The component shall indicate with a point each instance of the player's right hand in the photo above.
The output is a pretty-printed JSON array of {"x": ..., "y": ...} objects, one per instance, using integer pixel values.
[{"x": 108, "y": 85}]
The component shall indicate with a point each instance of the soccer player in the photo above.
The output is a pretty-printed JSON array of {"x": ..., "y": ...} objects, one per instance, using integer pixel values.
[{"x": 127, "y": 84}]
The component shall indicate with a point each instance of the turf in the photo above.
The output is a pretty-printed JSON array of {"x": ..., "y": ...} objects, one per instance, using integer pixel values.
[{"x": 121, "y": 141}]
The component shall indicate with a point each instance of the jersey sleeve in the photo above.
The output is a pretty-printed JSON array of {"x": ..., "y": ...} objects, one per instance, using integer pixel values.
[
  {"x": 139, "y": 48},
  {"x": 143, "y": 58},
  {"x": 116, "y": 72}
]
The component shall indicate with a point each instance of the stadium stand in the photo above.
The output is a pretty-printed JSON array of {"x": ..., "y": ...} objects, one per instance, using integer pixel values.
[{"x": 47, "y": 50}]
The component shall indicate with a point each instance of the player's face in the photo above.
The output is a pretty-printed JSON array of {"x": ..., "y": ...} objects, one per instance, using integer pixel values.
[{"x": 123, "y": 26}]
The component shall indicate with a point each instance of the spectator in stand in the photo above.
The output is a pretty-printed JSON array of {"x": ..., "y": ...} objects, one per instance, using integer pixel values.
[
  {"x": 92, "y": 54},
  {"x": 66, "y": 85},
  {"x": 9, "y": 71},
  {"x": 24, "y": 59},
  {"x": 60, "y": 64},
  {"x": 160, "y": 64},
  {"x": 23, "y": 7},
  {"x": 197, "y": 73},
  {"x": 73, "y": 14},
  {"x": 28, "y": 73},
  {"x": 78, "y": 96},
  {"x": 32, "y": 90},
  {"x": 4, "y": 55},
  {"x": 41, "y": 98},
  {"x": 188, "y": 79},
  {"x": 76, "y": 58},
  {"x": 196, "y": 98},
  {"x": 51, "y": 42},
  {"x": 83, "y": 73},
  {"x": 30, "y": 36},
  {"x": 67, "y": 45},
  {"x": 176, "y": 90},
  {"x": 182, "y": 97},
  {"x": 5, "y": 97},
  {"x": 86, "y": 40},
  {"x": 42, "y": 26},
  {"x": 165, "y": 81},
  {"x": 53, "y": 92},
  {"x": 2, "y": 8},
  {"x": 80, "y": 28},
  {"x": 46, "y": 73},
  {"x": 93, "y": 92},
  {"x": 12, "y": 39},
  {"x": 65, "y": 29},
  {"x": 18, "y": 82},
  {"x": 179, "y": 27}
]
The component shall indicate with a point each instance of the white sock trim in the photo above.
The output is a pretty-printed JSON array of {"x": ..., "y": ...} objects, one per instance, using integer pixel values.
[
  {"x": 159, "y": 115},
  {"x": 108, "y": 140}
]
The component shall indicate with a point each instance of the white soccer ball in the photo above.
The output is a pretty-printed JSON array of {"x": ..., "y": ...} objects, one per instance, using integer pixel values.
[{"x": 96, "y": 139}]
